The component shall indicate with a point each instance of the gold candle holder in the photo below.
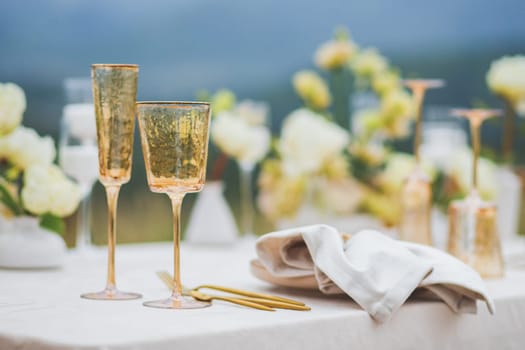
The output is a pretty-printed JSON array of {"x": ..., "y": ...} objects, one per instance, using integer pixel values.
[
  {"x": 416, "y": 192},
  {"x": 473, "y": 235}
]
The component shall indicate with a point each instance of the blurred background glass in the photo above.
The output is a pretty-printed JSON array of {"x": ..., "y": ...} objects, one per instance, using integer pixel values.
[{"x": 251, "y": 47}]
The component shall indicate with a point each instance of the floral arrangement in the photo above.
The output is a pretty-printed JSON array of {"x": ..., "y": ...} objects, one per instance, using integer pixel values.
[
  {"x": 30, "y": 184},
  {"x": 341, "y": 162},
  {"x": 238, "y": 130},
  {"x": 506, "y": 79}
]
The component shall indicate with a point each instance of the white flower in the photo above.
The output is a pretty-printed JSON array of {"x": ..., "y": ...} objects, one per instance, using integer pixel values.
[
  {"x": 460, "y": 169},
  {"x": 398, "y": 167},
  {"x": 312, "y": 89},
  {"x": 341, "y": 196},
  {"x": 397, "y": 112},
  {"x": 368, "y": 63},
  {"x": 12, "y": 107},
  {"x": 386, "y": 81},
  {"x": 308, "y": 140},
  {"x": 366, "y": 121},
  {"x": 506, "y": 77},
  {"x": 239, "y": 139},
  {"x": 254, "y": 113},
  {"x": 23, "y": 148},
  {"x": 47, "y": 190},
  {"x": 334, "y": 54}
]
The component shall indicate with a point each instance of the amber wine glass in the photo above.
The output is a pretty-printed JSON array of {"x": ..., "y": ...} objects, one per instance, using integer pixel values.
[
  {"x": 473, "y": 235},
  {"x": 416, "y": 192},
  {"x": 174, "y": 138},
  {"x": 114, "y": 96}
]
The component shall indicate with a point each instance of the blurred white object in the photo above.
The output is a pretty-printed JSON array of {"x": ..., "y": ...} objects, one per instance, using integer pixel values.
[
  {"x": 439, "y": 228},
  {"x": 377, "y": 272},
  {"x": 80, "y": 118},
  {"x": 25, "y": 245},
  {"x": 211, "y": 220},
  {"x": 78, "y": 152},
  {"x": 440, "y": 141},
  {"x": 508, "y": 201}
]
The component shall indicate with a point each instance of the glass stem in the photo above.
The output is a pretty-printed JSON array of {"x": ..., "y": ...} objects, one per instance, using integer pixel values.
[
  {"x": 112, "y": 192},
  {"x": 83, "y": 220},
  {"x": 474, "y": 129},
  {"x": 246, "y": 170},
  {"x": 419, "y": 95},
  {"x": 176, "y": 204}
]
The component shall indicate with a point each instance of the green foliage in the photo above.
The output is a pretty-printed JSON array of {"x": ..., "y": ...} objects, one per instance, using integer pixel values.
[
  {"x": 52, "y": 223},
  {"x": 9, "y": 201}
]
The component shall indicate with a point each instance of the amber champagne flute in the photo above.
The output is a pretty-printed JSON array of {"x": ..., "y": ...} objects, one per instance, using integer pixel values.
[
  {"x": 174, "y": 138},
  {"x": 473, "y": 235},
  {"x": 416, "y": 192},
  {"x": 114, "y": 96}
]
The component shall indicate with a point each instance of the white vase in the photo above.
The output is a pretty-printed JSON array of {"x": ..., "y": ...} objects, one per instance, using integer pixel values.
[
  {"x": 26, "y": 245},
  {"x": 508, "y": 202},
  {"x": 211, "y": 220}
]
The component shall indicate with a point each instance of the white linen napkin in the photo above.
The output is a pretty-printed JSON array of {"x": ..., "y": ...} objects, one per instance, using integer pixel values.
[{"x": 377, "y": 272}]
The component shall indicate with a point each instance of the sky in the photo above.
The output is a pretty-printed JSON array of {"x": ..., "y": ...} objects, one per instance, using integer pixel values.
[{"x": 252, "y": 47}]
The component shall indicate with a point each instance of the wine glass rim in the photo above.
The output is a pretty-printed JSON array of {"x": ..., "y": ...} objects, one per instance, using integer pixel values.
[
  {"x": 115, "y": 65},
  {"x": 173, "y": 103}
]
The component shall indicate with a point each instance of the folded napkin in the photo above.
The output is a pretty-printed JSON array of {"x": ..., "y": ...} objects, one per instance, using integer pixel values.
[{"x": 377, "y": 272}]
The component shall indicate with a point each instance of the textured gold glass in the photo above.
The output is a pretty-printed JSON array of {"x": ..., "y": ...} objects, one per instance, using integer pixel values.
[
  {"x": 174, "y": 137},
  {"x": 473, "y": 235},
  {"x": 114, "y": 96},
  {"x": 416, "y": 192}
]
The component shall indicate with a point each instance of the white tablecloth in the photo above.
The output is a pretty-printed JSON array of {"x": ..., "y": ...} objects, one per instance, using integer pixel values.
[{"x": 43, "y": 310}]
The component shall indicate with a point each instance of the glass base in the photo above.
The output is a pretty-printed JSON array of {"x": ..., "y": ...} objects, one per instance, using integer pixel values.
[
  {"x": 177, "y": 302},
  {"x": 111, "y": 294}
]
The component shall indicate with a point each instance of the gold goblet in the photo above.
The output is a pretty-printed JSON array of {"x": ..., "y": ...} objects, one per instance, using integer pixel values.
[
  {"x": 416, "y": 192},
  {"x": 114, "y": 95},
  {"x": 473, "y": 235},
  {"x": 174, "y": 138}
]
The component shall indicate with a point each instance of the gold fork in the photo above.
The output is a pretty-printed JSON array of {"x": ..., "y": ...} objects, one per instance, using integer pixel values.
[
  {"x": 251, "y": 299},
  {"x": 168, "y": 281}
]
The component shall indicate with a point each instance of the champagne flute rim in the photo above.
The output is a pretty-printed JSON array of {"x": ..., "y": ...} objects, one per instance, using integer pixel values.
[
  {"x": 115, "y": 65},
  {"x": 172, "y": 103},
  {"x": 485, "y": 112},
  {"x": 429, "y": 83}
]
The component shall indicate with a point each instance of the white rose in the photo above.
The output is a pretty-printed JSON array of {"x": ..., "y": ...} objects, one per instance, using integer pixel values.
[
  {"x": 238, "y": 139},
  {"x": 12, "y": 107},
  {"x": 460, "y": 168},
  {"x": 398, "y": 167},
  {"x": 368, "y": 63},
  {"x": 339, "y": 196},
  {"x": 312, "y": 89},
  {"x": 65, "y": 198},
  {"x": 506, "y": 77},
  {"x": 47, "y": 190},
  {"x": 23, "y": 148},
  {"x": 308, "y": 140},
  {"x": 254, "y": 113},
  {"x": 334, "y": 54}
]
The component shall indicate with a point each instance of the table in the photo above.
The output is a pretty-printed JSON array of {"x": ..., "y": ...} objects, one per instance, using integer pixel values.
[{"x": 43, "y": 310}]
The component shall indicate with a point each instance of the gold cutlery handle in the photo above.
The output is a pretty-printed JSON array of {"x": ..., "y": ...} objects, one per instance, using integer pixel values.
[
  {"x": 277, "y": 304},
  {"x": 244, "y": 303},
  {"x": 250, "y": 294},
  {"x": 207, "y": 297}
]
